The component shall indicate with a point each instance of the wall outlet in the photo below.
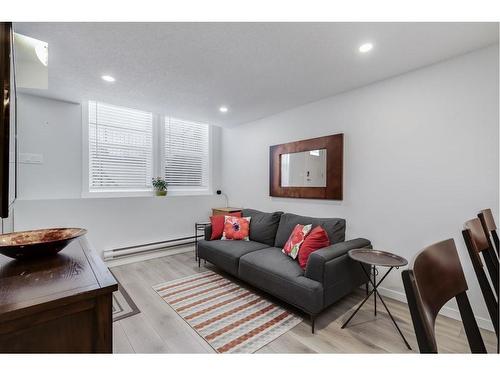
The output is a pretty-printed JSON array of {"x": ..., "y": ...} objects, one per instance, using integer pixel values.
[{"x": 26, "y": 158}]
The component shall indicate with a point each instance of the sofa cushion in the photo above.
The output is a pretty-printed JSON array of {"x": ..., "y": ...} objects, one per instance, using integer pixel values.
[
  {"x": 279, "y": 275},
  {"x": 335, "y": 228},
  {"x": 226, "y": 254},
  {"x": 263, "y": 225}
]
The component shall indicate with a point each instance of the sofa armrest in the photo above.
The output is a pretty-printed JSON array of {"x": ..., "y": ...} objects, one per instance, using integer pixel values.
[
  {"x": 208, "y": 232},
  {"x": 316, "y": 267}
]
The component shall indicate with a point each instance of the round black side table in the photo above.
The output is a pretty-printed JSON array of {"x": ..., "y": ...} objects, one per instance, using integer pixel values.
[{"x": 377, "y": 258}]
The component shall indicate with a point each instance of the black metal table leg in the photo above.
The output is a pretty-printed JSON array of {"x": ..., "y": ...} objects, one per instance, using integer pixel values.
[
  {"x": 375, "y": 292},
  {"x": 393, "y": 320},
  {"x": 368, "y": 295},
  {"x": 375, "y": 295},
  {"x": 357, "y": 309},
  {"x": 195, "y": 242}
]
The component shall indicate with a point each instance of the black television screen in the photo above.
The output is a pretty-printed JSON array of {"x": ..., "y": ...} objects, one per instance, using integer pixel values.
[{"x": 8, "y": 154}]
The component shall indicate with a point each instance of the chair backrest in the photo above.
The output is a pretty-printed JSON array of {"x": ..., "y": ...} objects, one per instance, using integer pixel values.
[
  {"x": 489, "y": 220},
  {"x": 434, "y": 277},
  {"x": 489, "y": 226},
  {"x": 479, "y": 239},
  {"x": 479, "y": 244}
]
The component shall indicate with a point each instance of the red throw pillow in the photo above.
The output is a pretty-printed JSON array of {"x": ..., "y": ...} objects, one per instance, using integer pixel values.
[
  {"x": 315, "y": 240},
  {"x": 296, "y": 239},
  {"x": 218, "y": 224},
  {"x": 236, "y": 228}
]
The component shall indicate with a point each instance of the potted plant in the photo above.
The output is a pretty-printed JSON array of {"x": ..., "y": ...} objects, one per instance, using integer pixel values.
[{"x": 160, "y": 186}]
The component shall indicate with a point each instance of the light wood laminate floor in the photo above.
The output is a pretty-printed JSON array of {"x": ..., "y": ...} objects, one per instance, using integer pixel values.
[{"x": 158, "y": 329}]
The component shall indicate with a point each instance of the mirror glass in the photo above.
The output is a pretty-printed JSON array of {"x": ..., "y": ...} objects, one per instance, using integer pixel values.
[{"x": 304, "y": 169}]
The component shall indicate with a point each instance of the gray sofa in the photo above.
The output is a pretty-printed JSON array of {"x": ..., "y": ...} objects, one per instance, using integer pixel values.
[{"x": 329, "y": 275}]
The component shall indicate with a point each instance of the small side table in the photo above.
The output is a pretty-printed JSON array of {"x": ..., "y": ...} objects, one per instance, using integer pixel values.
[
  {"x": 225, "y": 210},
  {"x": 377, "y": 258},
  {"x": 198, "y": 227}
]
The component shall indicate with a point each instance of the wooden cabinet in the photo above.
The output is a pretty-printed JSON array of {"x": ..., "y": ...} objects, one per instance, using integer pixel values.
[
  {"x": 59, "y": 304},
  {"x": 224, "y": 210}
]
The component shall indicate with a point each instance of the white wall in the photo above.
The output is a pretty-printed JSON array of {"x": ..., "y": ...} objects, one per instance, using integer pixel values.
[
  {"x": 53, "y": 129},
  {"x": 119, "y": 222},
  {"x": 50, "y": 193},
  {"x": 420, "y": 158}
]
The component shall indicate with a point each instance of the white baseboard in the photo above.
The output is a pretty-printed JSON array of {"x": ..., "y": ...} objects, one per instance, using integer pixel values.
[
  {"x": 445, "y": 311},
  {"x": 150, "y": 255}
]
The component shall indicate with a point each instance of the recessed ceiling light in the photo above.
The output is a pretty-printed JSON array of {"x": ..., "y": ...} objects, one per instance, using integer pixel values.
[
  {"x": 366, "y": 47},
  {"x": 108, "y": 78},
  {"x": 223, "y": 109}
]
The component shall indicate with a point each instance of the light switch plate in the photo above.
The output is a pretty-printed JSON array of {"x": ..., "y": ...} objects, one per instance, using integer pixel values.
[{"x": 26, "y": 158}]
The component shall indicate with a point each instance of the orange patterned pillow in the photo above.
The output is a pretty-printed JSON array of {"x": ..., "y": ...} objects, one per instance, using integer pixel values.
[
  {"x": 298, "y": 235},
  {"x": 236, "y": 228}
]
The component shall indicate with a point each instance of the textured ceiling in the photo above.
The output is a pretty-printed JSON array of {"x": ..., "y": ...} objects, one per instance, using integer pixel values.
[{"x": 189, "y": 70}]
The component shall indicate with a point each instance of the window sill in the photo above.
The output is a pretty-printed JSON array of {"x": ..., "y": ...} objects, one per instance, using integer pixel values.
[{"x": 143, "y": 194}]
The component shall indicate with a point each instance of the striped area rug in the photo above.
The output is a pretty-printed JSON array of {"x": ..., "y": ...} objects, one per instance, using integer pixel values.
[{"x": 232, "y": 319}]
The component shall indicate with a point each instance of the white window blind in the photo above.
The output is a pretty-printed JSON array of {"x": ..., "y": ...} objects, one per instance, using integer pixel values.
[
  {"x": 120, "y": 148},
  {"x": 186, "y": 153}
]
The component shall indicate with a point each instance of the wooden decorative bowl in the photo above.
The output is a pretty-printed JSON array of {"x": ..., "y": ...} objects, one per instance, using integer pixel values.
[{"x": 37, "y": 243}]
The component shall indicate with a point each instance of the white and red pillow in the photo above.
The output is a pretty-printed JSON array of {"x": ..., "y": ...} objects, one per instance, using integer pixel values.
[
  {"x": 296, "y": 239},
  {"x": 236, "y": 228},
  {"x": 315, "y": 240}
]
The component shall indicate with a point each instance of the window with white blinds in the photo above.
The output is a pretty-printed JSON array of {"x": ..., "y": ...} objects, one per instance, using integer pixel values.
[
  {"x": 120, "y": 148},
  {"x": 186, "y": 158}
]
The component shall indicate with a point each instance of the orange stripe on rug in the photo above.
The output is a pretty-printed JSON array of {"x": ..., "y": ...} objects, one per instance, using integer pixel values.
[
  {"x": 207, "y": 299},
  {"x": 185, "y": 282},
  {"x": 217, "y": 305},
  {"x": 198, "y": 293},
  {"x": 246, "y": 319},
  {"x": 252, "y": 333},
  {"x": 190, "y": 287},
  {"x": 227, "y": 313}
]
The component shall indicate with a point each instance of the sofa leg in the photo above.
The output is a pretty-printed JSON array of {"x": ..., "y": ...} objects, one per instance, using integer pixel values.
[
  {"x": 199, "y": 262},
  {"x": 313, "y": 320}
]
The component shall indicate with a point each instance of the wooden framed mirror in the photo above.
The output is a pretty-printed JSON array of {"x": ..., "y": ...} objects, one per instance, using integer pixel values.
[{"x": 311, "y": 168}]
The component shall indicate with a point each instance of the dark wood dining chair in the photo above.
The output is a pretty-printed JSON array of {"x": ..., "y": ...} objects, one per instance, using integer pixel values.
[
  {"x": 489, "y": 226},
  {"x": 477, "y": 246},
  {"x": 434, "y": 277}
]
